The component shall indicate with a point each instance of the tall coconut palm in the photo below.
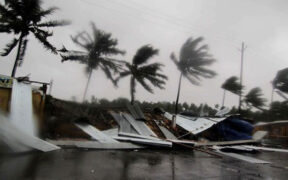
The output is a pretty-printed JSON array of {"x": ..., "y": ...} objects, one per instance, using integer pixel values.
[
  {"x": 142, "y": 72},
  {"x": 192, "y": 63},
  {"x": 232, "y": 85},
  {"x": 22, "y": 17},
  {"x": 97, "y": 52},
  {"x": 254, "y": 98}
]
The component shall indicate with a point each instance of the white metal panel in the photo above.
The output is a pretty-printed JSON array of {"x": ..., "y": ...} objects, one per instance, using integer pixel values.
[
  {"x": 95, "y": 133},
  {"x": 14, "y": 135},
  {"x": 157, "y": 143},
  {"x": 241, "y": 157},
  {"x": 194, "y": 125},
  {"x": 95, "y": 145},
  {"x": 267, "y": 149},
  {"x": 111, "y": 132},
  {"x": 21, "y": 108}
]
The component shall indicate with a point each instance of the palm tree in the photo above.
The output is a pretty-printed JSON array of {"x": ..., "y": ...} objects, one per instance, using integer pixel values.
[
  {"x": 254, "y": 98},
  {"x": 141, "y": 72},
  {"x": 192, "y": 63},
  {"x": 280, "y": 82},
  {"x": 22, "y": 17},
  {"x": 232, "y": 85},
  {"x": 97, "y": 51}
]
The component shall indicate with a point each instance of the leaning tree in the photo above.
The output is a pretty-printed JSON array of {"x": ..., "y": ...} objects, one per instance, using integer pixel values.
[
  {"x": 255, "y": 98},
  {"x": 22, "y": 17},
  {"x": 97, "y": 52},
  {"x": 192, "y": 63},
  {"x": 232, "y": 85},
  {"x": 141, "y": 72}
]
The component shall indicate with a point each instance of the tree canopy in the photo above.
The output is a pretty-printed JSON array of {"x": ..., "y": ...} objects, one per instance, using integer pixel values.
[
  {"x": 193, "y": 61},
  {"x": 232, "y": 85},
  {"x": 22, "y": 17},
  {"x": 142, "y": 72}
]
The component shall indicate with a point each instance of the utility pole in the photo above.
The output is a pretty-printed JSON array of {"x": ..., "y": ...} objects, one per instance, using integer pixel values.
[{"x": 243, "y": 47}]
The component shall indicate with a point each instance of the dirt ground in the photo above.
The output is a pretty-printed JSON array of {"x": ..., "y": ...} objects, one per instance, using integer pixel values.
[{"x": 75, "y": 164}]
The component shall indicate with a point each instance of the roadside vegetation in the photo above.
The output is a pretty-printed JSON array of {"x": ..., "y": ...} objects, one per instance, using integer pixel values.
[{"x": 98, "y": 50}]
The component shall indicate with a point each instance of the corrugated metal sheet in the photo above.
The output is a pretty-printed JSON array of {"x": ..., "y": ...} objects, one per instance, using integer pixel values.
[
  {"x": 21, "y": 108},
  {"x": 194, "y": 125},
  {"x": 95, "y": 133}
]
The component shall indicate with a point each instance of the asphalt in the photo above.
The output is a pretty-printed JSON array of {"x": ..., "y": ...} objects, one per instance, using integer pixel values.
[{"x": 73, "y": 164}]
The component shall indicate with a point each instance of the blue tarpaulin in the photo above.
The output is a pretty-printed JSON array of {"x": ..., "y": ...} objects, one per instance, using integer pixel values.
[{"x": 234, "y": 129}]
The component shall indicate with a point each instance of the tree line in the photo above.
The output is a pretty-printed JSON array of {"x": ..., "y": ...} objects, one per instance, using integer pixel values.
[{"x": 98, "y": 50}]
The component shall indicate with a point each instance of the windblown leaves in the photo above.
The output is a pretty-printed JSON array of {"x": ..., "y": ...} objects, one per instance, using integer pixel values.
[
  {"x": 193, "y": 60},
  {"x": 22, "y": 17},
  {"x": 232, "y": 85},
  {"x": 97, "y": 49}
]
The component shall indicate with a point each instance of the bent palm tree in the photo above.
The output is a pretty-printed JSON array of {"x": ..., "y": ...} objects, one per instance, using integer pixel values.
[
  {"x": 254, "y": 98},
  {"x": 192, "y": 63},
  {"x": 280, "y": 82},
  {"x": 232, "y": 85},
  {"x": 22, "y": 17},
  {"x": 141, "y": 72},
  {"x": 97, "y": 53}
]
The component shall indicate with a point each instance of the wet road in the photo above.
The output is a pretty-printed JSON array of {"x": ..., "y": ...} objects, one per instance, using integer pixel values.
[{"x": 143, "y": 164}]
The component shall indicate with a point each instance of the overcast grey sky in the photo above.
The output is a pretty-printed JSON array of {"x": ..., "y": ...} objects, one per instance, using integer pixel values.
[{"x": 166, "y": 24}]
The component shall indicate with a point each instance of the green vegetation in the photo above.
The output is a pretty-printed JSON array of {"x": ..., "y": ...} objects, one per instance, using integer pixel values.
[
  {"x": 98, "y": 51},
  {"x": 22, "y": 17}
]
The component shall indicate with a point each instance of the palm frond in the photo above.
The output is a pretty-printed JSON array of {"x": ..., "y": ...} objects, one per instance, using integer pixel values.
[
  {"x": 5, "y": 29},
  {"x": 144, "y": 54},
  {"x": 155, "y": 81},
  {"x": 82, "y": 41},
  {"x": 43, "y": 39},
  {"x": 48, "y": 11},
  {"x": 122, "y": 75},
  {"x": 254, "y": 98},
  {"x": 10, "y": 46},
  {"x": 54, "y": 23},
  {"x": 280, "y": 82},
  {"x": 232, "y": 85},
  {"x": 193, "y": 60},
  {"x": 143, "y": 83},
  {"x": 108, "y": 74},
  {"x": 74, "y": 57}
]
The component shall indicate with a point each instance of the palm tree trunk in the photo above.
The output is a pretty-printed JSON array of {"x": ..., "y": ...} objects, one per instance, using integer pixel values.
[
  {"x": 132, "y": 89},
  {"x": 178, "y": 94},
  {"x": 223, "y": 101},
  {"x": 86, "y": 88},
  {"x": 272, "y": 96},
  {"x": 17, "y": 56}
]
